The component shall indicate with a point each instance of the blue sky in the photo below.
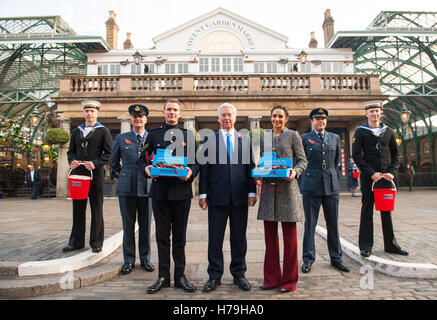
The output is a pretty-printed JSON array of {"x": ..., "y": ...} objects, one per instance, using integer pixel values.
[{"x": 146, "y": 19}]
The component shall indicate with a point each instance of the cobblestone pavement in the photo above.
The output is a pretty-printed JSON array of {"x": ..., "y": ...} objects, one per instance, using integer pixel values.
[
  {"x": 37, "y": 230},
  {"x": 415, "y": 222}
]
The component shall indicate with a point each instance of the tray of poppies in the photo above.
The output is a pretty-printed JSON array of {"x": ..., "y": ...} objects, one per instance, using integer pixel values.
[
  {"x": 167, "y": 165},
  {"x": 272, "y": 167}
]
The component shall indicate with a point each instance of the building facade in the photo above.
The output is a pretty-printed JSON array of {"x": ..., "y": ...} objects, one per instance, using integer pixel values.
[{"x": 215, "y": 58}]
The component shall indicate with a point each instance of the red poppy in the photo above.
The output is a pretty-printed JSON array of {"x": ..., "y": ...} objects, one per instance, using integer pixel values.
[
  {"x": 279, "y": 139},
  {"x": 184, "y": 143},
  {"x": 239, "y": 136},
  {"x": 127, "y": 141},
  {"x": 311, "y": 141}
]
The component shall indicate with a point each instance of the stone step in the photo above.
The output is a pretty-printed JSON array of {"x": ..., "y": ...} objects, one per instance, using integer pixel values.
[{"x": 14, "y": 287}]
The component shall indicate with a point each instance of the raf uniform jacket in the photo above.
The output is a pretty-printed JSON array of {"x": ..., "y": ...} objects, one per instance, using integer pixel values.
[
  {"x": 373, "y": 153},
  {"x": 95, "y": 147},
  {"x": 227, "y": 182},
  {"x": 132, "y": 179},
  {"x": 321, "y": 176},
  {"x": 169, "y": 188}
]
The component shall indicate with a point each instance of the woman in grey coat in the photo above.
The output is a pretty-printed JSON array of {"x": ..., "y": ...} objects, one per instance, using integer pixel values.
[{"x": 281, "y": 201}]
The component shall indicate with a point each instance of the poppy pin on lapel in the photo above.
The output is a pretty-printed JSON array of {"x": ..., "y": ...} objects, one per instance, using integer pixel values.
[
  {"x": 127, "y": 141},
  {"x": 311, "y": 141}
]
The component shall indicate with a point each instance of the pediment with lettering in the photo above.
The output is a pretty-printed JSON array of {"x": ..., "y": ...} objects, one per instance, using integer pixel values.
[{"x": 220, "y": 31}]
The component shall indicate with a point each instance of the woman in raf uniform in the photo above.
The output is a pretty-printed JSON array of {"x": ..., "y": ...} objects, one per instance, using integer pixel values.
[{"x": 284, "y": 205}]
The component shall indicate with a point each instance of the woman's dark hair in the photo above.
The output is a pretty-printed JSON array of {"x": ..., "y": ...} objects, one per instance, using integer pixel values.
[{"x": 278, "y": 106}]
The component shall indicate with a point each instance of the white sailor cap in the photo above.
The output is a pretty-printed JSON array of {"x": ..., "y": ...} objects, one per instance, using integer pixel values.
[
  {"x": 91, "y": 104},
  {"x": 373, "y": 104}
]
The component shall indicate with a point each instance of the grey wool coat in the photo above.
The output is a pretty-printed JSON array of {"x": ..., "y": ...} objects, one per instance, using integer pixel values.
[{"x": 284, "y": 204}]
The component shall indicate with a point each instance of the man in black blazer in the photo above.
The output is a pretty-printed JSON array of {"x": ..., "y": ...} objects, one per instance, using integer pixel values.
[
  {"x": 320, "y": 187},
  {"x": 227, "y": 189},
  {"x": 171, "y": 197},
  {"x": 32, "y": 180}
]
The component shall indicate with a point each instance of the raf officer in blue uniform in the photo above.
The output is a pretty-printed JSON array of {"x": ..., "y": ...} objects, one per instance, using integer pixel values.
[
  {"x": 132, "y": 189},
  {"x": 320, "y": 186}
]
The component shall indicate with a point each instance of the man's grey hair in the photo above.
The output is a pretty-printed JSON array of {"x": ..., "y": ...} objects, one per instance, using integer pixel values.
[{"x": 227, "y": 105}]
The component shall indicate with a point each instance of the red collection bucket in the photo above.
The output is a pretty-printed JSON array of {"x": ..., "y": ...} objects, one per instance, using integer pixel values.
[
  {"x": 384, "y": 198},
  {"x": 79, "y": 185}
]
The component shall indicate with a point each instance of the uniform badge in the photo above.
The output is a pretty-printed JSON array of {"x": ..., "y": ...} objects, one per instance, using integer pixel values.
[
  {"x": 127, "y": 141},
  {"x": 137, "y": 108}
]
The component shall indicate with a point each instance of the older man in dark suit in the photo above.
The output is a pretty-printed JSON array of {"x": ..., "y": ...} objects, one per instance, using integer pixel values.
[
  {"x": 320, "y": 187},
  {"x": 132, "y": 188},
  {"x": 227, "y": 189}
]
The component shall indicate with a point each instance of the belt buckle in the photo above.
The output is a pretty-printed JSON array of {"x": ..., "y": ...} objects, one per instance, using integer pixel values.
[{"x": 324, "y": 166}]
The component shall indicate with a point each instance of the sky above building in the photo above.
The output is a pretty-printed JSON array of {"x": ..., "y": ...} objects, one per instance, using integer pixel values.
[{"x": 147, "y": 19}]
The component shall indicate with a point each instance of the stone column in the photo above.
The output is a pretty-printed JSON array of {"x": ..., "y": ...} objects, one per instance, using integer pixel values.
[
  {"x": 63, "y": 166},
  {"x": 190, "y": 123},
  {"x": 125, "y": 124},
  {"x": 254, "y": 123}
]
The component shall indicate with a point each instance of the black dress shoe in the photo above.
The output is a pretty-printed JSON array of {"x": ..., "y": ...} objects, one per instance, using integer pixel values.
[
  {"x": 184, "y": 284},
  {"x": 306, "y": 267},
  {"x": 340, "y": 266},
  {"x": 398, "y": 251},
  {"x": 70, "y": 248},
  {"x": 158, "y": 285},
  {"x": 127, "y": 268},
  {"x": 97, "y": 250},
  {"x": 366, "y": 253},
  {"x": 211, "y": 285},
  {"x": 147, "y": 265},
  {"x": 243, "y": 283}
]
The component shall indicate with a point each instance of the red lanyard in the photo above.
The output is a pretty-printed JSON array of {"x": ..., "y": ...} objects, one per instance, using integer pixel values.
[{"x": 262, "y": 188}]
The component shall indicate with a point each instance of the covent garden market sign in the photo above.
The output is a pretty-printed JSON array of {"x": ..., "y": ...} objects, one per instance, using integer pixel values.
[{"x": 220, "y": 24}]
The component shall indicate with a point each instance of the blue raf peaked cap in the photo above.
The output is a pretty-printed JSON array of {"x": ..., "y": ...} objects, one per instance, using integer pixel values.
[
  {"x": 138, "y": 110},
  {"x": 319, "y": 113}
]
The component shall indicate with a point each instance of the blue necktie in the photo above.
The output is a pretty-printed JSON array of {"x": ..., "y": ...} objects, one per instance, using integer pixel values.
[{"x": 228, "y": 145}]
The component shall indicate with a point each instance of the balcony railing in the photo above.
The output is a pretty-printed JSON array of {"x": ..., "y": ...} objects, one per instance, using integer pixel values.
[{"x": 259, "y": 83}]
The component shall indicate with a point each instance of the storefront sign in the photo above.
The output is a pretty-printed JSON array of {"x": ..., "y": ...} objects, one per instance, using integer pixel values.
[
  {"x": 11, "y": 149},
  {"x": 245, "y": 34}
]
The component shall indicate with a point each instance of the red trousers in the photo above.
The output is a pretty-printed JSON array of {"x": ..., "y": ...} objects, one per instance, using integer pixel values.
[{"x": 273, "y": 277}]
